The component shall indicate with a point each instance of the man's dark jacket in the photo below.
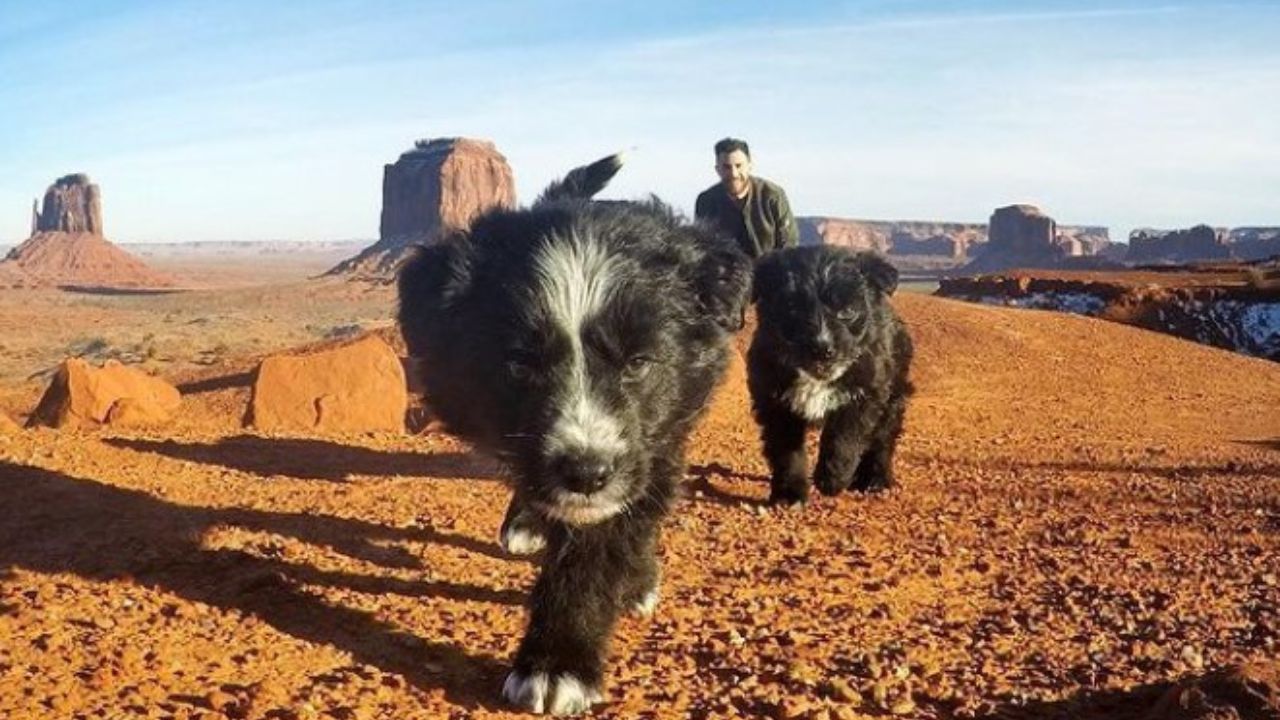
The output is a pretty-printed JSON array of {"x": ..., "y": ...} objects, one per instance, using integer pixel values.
[{"x": 761, "y": 223}]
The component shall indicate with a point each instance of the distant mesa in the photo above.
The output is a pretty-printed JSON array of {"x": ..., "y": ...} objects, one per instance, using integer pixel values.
[
  {"x": 1254, "y": 243},
  {"x": 1018, "y": 234},
  {"x": 1023, "y": 236},
  {"x": 894, "y": 237},
  {"x": 1202, "y": 243},
  {"x": 67, "y": 247},
  {"x": 438, "y": 186},
  {"x": 1091, "y": 240}
]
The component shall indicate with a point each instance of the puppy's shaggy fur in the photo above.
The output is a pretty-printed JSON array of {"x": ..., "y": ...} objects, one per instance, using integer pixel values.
[
  {"x": 579, "y": 341},
  {"x": 829, "y": 350}
]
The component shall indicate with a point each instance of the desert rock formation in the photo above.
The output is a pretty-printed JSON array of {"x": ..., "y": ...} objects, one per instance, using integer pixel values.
[
  {"x": 894, "y": 237},
  {"x": 1254, "y": 243},
  {"x": 67, "y": 248},
  {"x": 1019, "y": 235},
  {"x": 71, "y": 204},
  {"x": 1202, "y": 243},
  {"x": 1197, "y": 243},
  {"x": 438, "y": 186},
  {"x": 1022, "y": 236},
  {"x": 853, "y": 234},
  {"x": 1091, "y": 239},
  {"x": 951, "y": 240},
  {"x": 78, "y": 259},
  {"x": 82, "y": 396},
  {"x": 355, "y": 387}
]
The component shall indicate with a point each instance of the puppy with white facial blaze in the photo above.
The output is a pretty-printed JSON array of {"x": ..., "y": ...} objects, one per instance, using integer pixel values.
[
  {"x": 828, "y": 351},
  {"x": 579, "y": 341}
]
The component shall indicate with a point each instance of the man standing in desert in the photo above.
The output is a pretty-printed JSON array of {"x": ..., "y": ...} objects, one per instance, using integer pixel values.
[{"x": 752, "y": 209}]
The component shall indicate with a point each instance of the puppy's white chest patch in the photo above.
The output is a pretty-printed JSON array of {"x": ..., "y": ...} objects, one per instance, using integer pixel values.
[{"x": 813, "y": 398}]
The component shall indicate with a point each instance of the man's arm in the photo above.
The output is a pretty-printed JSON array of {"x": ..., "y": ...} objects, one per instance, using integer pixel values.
[
  {"x": 786, "y": 232},
  {"x": 701, "y": 208}
]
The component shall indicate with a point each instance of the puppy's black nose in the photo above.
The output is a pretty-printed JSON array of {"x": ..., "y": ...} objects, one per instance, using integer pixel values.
[
  {"x": 823, "y": 350},
  {"x": 586, "y": 474}
]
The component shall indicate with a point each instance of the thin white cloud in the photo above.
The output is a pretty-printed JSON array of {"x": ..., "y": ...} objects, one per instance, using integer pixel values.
[{"x": 923, "y": 21}]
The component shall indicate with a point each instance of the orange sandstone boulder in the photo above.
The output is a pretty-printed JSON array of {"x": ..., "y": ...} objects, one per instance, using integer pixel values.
[
  {"x": 354, "y": 387},
  {"x": 8, "y": 426},
  {"x": 83, "y": 396},
  {"x": 131, "y": 412}
]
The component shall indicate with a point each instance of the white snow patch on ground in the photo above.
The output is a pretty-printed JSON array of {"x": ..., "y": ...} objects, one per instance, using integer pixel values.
[
  {"x": 1258, "y": 323},
  {"x": 1252, "y": 328},
  {"x": 1077, "y": 303}
]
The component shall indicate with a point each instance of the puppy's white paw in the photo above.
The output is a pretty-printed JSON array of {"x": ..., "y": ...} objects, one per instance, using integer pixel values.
[
  {"x": 521, "y": 541},
  {"x": 558, "y": 695},
  {"x": 646, "y": 606}
]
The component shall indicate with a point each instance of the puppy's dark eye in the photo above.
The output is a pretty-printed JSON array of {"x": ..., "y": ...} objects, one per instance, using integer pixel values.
[
  {"x": 522, "y": 365},
  {"x": 636, "y": 368}
]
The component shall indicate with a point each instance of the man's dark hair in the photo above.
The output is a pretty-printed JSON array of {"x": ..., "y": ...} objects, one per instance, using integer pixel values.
[{"x": 728, "y": 145}]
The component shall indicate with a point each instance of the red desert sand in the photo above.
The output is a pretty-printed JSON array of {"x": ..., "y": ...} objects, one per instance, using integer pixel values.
[{"x": 1088, "y": 526}]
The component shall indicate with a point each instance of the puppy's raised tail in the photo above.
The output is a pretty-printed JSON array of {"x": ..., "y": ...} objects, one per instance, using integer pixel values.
[{"x": 583, "y": 182}]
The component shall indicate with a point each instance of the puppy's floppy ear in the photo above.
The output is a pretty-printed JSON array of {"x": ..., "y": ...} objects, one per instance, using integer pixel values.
[
  {"x": 724, "y": 285},
  {"x": 427, "y": 285},
  {"x": 878, "y": 272},
  {"x": 769, "y": 275}
]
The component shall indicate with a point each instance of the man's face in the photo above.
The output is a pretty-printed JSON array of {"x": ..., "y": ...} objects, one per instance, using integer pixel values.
[{"x": 734, "y": 169}]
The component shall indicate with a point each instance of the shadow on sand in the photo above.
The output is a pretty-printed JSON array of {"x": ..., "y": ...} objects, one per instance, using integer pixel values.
[
  {"x": 98, "y": 290},
  {"x": 1250, "y": 693},
  {"x": 55, "y": 523},
  {"x": 700, "y": 481},
  {"x": 311, "y": 459},
  {"x": 1168, "y": 472},
  {"x": 1272, "y": 444},
  {"x": 213, "y": 384}
]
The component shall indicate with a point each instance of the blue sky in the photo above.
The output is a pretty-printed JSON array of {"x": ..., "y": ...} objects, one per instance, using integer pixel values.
[{"x": 240, "y": 120}]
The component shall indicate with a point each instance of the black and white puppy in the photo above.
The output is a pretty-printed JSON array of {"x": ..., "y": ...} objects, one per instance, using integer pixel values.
[
  {"x": 829, "y": 350},
  {"x": 579, "y": 340}
]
